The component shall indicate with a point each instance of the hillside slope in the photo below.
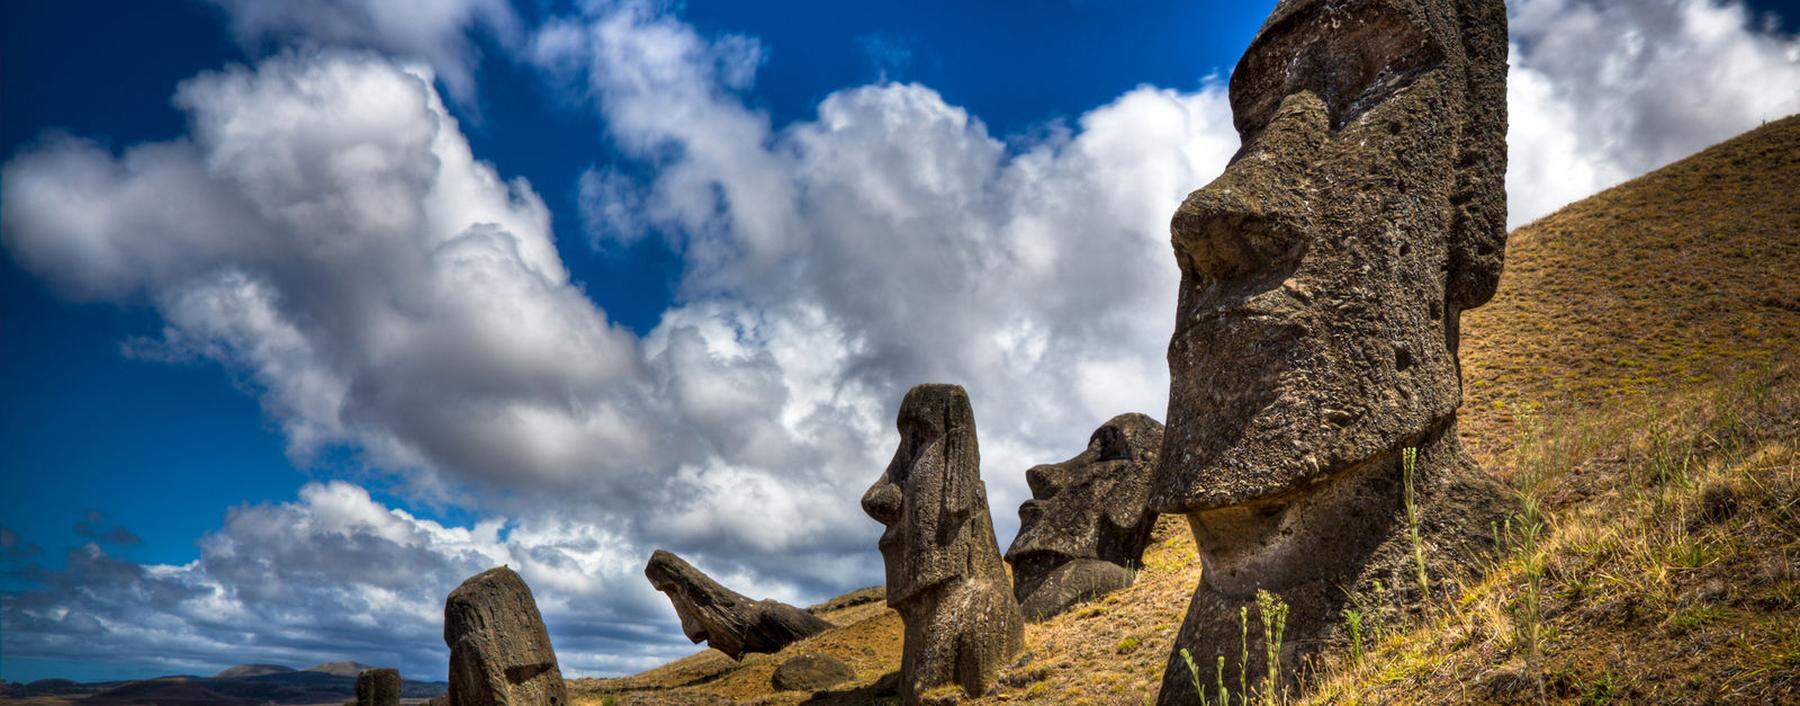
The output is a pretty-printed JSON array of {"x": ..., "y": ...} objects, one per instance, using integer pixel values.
[{"x": 1633, "y": 378}]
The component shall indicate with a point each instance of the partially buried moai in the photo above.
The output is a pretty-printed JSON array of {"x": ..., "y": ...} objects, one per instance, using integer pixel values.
[
  {"x": 1082, "y": 533},
  {"x": 378, "y": 687},
  {"x": 1322, "y": 280},
  {"x": 499, "y": 650},
  {"x": 724, "y": 619},
  {"x": 944, "y": 572}
]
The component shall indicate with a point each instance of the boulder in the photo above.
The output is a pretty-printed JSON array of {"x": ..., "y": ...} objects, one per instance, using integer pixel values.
[
  {"x": 811, "y": 672},
  {"x": 944, "y": 572},
  {"x": 499, "y": 650},
  {"x": 1082, "y": 533},
  {"x": 724, "y": 619},
  {"x": 1323, "y": 276},
  {"x": 378, "y": 687}
]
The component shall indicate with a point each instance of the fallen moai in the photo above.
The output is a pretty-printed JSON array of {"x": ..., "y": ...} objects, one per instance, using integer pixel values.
[{"x": 724, "y": 619}]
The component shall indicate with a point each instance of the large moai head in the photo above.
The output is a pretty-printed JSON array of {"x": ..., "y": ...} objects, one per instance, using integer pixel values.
[
  {"x": 1322, "y": 275},
  {"x": 931, "y": 498},
  {"x": 1091, "y": 508}
]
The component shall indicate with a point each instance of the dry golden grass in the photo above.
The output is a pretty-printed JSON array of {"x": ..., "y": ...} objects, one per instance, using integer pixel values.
[
  {"x": 1614, "y": 352},
  {"x": 1653, "y": 285}
]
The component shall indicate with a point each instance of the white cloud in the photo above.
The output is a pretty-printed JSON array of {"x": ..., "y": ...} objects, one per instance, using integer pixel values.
[
  {"x": 434, "y": 31},
  {"x": 336, "y": 575},
  {"x": 1601, "y": 92}
]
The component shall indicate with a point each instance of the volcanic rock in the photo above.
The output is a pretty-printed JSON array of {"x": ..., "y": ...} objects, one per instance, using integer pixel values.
[
  {"x": 810, "y": 672},
  {"x": 1323, "y": 277},
  {"x": 499, "y": 650},
  {"x": 724, "y": 619},
  {"x": 944, "y": 572},
  {"x": 378, "y": 687},
  {"x": 1082, "y": 533}
]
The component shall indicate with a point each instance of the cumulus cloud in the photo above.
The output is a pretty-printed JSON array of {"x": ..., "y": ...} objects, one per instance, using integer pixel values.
[
  {"x": 324, "y": 232},
  {"x": 1601, "y": 92},
  {"x": 92, "y": 526},
  {"x": 336, "y": 575},
  {"x": 435, "y": 31}
]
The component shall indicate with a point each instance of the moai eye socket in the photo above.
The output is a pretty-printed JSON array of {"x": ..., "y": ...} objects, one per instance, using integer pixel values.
[{"x": 1352, "y": 55}]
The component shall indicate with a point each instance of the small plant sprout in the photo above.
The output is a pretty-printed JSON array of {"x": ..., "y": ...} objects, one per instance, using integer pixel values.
[
  {"x": 1243, "y": 653},
  {"x": 1274, "y": 612},
  {"x": 1224, "y": 694},
  {"x": 1410, "y": 463},
  {"x": 1194, "y": 675},
  {"x": 1354, "y": 619}
]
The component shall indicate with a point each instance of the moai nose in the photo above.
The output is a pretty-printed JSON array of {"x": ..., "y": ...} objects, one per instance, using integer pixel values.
[{"x": 883, "y": 502}]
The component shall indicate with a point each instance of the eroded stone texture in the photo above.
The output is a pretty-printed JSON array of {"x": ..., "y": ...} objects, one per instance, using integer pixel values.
[
  {"x": 1082, "y": 533},
  {"x": 944, "y": 572},
  {"x": 724, "y": 619},
  {"x": 810, "y": 672},
  {"x": 499, "y": 650},
  {"x": 378, "y": 687},
  {"x": 1322, "y": 280}
]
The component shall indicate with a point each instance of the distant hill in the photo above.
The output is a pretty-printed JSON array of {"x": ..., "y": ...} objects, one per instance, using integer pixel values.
[
  {"x": 342, "y": 669},
  {"x": 1650, "y": 337},
  {"x": 251, "y": 670}
]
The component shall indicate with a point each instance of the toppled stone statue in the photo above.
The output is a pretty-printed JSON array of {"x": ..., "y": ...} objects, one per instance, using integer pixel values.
[
  {"x": 1083, "y": 532},
  {"x": 724, "y": 619},
  {"x": 944, "y": 573},
  {"x": 1322, "y": 280},
  {"x": 378, "y": 687},
  {"x": 499, "y": 650}
]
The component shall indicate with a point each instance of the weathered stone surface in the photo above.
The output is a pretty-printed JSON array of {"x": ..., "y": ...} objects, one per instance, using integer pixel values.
[
  {"x": 724, "y": 619},
  {"x": 944, "y": 572},
  {"x": 1323, "y": 276},
  {"x": 1083, "y": 531},
  {"x": 499, "y": 650},
  {"x": 378, "y": 687},
  {"x": 811, "y": 672}
]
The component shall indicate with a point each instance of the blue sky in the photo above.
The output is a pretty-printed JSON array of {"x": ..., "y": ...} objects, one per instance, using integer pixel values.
[{"x": 751, "y": 258}]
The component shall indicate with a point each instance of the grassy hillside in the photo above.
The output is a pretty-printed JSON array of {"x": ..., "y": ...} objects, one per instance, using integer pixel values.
[{"x": 1634, "y": 380}]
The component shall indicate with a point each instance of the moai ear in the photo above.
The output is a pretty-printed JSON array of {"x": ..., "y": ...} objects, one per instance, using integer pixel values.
[
  {"x": 958, "y": 448},
  {"x": 1478, "y": 226}
]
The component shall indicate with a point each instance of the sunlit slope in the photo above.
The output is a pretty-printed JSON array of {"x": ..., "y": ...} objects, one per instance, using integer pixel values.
[
  {"x": 1650, "y": 333},
  {"x": 1664, "y": 281}
]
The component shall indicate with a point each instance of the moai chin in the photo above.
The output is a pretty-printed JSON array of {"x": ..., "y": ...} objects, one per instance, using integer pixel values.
[
  {"x": 1082, "y": 533},
  {"x": 500, "y": 653},
  {"x": 1322, "y": 280},
  {"x": 944, "y": 572}
]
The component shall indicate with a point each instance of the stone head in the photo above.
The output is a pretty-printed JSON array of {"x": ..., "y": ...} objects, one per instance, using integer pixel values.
[
  {"x": 671, "y": 575},
  {"x": 1092, "y": 506},
  {"x": 931, "y": 499},
  {"x": 1323, "y": 273}
]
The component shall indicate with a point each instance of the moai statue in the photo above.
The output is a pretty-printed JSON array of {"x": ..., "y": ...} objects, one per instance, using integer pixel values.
[
  {"x": 1082, "y": 533},
  {"x": 724, "y": 619},
  {"x": 499, "y": 650},
  {"x": 1322, "y": 280},
  {"x": 378, "y": 687},
  {"x": 944, "y": 573}
]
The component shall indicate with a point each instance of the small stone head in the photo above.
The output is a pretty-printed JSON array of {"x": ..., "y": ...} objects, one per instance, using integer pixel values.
[
  {"x": 931, "y": 498},
  {"x": 1323, "y": 274},
  {"x": 1092, "y": 506}
]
